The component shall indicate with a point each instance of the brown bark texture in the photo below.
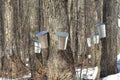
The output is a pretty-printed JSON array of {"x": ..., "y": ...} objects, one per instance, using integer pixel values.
[
  {"x": 109, "y": 44},
  {"x": 20, "y": 20}
]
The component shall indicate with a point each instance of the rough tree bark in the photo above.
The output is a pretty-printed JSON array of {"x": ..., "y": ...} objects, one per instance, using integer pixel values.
[
  {"x": 1, "y": 34},
  {"x": 109, "y": 44},
  {"x": 92, "y": 16},
  {"x": 34, "y": 28},
  {"x": 8, "y": 33},
  {"x": 56, "y": 19},
  {"x": 83, "y": 17},
  {"x": 8, "y": 23},
  {"x": 118, "y": 39},
  {"x": 0, "y": 29},
  {"x": 77, "y": 17},
  {"x": 26, "y": 26},
  {"x": 9, "y": 61}
]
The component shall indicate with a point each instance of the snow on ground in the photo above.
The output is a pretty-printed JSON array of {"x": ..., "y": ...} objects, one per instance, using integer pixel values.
[
  {"x": 7, "y": 79},
  {"x": 87, "y": 73},
  {"x": 114, "y": 76},
  {"x": 118, "y": 62},
  {"x": 25, "y": 76}
]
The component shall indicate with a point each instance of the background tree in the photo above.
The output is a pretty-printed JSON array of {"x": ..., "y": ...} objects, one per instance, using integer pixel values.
[
  {"x": 118, "y": 39},
  {"x": 56, "y": 19},
  {"x": 109, "y": 44},
  {"x": 1, "y": 34},
  {"x": 20, "y": 20}
]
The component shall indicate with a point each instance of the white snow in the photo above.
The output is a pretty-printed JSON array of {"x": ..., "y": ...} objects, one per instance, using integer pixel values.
[
  {"x": 89, "y": 56},
  {"x": 7, "y": 79},
  {"x": 118, "y": 22},
  {"x": 112, "y": 77},
  {"x": 118, "y": 62},
  {"x": 25, "y": 76},
  {"x": 89, "y": 73},
  {"x": 27, "y": 59},
  {"x": 27, "y": 64}
]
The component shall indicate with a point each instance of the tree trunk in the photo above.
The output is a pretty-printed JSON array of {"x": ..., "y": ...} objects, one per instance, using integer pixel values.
[
  {"x": 109, "y": 44},
  {"x": 34, "y": 28},
  {"x": 92, "y": 17},
  {"x": 20, "y": 20},
  {"x": 8, "y": 33},
  {"x": 8, "y": 23},
  {"x": 1, "y": 34},
  {"x": 56, "y": 19},
  {"x": 118, "y": 39}
]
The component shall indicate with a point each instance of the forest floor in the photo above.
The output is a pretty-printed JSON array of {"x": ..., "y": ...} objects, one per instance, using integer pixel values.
[
  {"x": 24, "y": 77},
  {"x": 110, "y": 77}
]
